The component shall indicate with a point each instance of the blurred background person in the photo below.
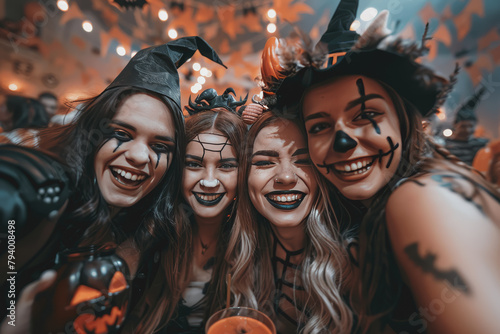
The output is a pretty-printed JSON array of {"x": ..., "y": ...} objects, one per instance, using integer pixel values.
[{"x": 49, "y": 102}]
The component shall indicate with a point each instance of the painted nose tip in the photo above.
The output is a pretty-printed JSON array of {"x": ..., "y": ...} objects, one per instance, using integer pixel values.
[{"x": 343, "y": 142}]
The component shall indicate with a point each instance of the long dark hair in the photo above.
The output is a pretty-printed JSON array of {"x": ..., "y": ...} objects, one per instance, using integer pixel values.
[
  {"x": 379, "y": 284},
  {"x": 77, "y": 144}
]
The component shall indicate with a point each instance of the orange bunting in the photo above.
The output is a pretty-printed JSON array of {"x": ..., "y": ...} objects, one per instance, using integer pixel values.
[
  {"x": 73, "y": 12},
  {"x": 204, "y": 14},
  {"x": 291, "y": 12},
  {"x": 427, "y": 13},
  {"x": 228, "y": 21},
  {"x": 443, "y": 35},
  {"x": 252, "y": 22},
  {"x": 487, "y": 40},
  {"x": 184, "y": 20},
  {"x": 463, "y": 21}
]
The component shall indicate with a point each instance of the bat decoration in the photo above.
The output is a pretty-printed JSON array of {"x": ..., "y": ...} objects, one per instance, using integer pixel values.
[{"x": 428, "y": 266}]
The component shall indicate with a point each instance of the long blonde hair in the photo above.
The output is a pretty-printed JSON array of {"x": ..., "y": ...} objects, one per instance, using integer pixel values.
[{"x": 324, "y": 265}]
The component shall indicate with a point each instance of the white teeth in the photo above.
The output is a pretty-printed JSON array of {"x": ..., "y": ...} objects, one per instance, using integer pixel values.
[
  {"x": 209, "y": 197},
  {"x": 287, "y": 198},
  {"x": 353, "y": 166},
  {"x": 129, "y": 175}
]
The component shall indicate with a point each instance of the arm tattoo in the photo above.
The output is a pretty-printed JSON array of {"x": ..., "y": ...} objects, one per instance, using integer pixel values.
[
  {"x": 448, "y": 182},
  {"x": 426, "y": 263}
]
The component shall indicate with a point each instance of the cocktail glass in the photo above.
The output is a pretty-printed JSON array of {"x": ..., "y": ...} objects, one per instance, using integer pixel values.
[{"x": 239, "y": 320}]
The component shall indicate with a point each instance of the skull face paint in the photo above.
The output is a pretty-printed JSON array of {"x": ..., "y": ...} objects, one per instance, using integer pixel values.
[{"x": 359, "y": 112}]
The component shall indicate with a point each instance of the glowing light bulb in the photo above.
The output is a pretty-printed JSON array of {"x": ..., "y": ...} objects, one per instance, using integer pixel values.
[
  {"x": 209, "y": 74},
  {"x": 355, "y": 25},
  {"x": 87, "y": 26},
  {"x": 368, "y": 14},
  {"x": 121, "y": 51},
  {"x": 194, "y": 90},
  {"x": 201, "y": 80},
  {"x": 271, "y": 28},
  {"x": 204, "y": 71},
  {"x": 196, "y": 66},
  {"x": 62, "y": 5},
  {"x": 447, "y": 132},
  {"x": 162, "y": 14},
  {"x": 13, "y": 87},
  {"x": 198, "y": 86},
  {"x": 271, "y": 13},
  {"x": 172, "y": 33}
]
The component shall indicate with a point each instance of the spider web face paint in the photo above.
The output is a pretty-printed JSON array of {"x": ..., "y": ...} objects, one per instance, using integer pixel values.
[{"x": 212, "y": 147}]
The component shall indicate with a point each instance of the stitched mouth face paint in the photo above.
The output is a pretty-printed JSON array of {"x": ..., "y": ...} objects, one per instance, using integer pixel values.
[
  {"x": 137, "y": 151},
  {"x": 362, "y": 111}
]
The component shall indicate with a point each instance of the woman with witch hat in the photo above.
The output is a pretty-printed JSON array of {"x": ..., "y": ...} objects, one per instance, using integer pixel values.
[
  {"x": 429, "y": 233},
  {"x": 113, "y": 176}
]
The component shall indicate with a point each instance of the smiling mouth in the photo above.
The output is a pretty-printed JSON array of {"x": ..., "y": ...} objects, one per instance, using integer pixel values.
[
  {"x": 208, "y": 199},
  {"x": 127, "y": 178},
  {"x": 354, "y": 167},
  {"x": 285, "y": 200},
  {"x": 362, "y": 165}
]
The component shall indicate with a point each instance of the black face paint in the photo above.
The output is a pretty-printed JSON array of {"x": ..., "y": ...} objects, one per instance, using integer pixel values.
[
  {"x": 379, "y": 156},
  {"x": 364, "y": 115},
  {"x": 118, "y": 145},
  {"x": 158, "y": 157},
  {"x": 426, "y": 263},
  {"x": 202, "y": 143}
]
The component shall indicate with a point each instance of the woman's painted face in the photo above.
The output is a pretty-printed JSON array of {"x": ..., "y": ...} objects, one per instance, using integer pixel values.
[
  {"x": 132, "y": 163},
  {"x": 210, "y": 174},
  {"x": 353, "y": 134},
  {"x": 281, "y": 183}
]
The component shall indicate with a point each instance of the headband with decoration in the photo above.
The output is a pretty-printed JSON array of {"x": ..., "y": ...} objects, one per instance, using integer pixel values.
[{"x": 209, "y": 100}]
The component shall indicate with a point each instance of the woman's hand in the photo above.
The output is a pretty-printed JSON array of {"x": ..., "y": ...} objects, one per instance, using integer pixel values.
[{"x": 23, "y": 305}]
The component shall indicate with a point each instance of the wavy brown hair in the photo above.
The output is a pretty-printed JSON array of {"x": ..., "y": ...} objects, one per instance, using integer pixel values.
[{"x": 325, "y": 265}]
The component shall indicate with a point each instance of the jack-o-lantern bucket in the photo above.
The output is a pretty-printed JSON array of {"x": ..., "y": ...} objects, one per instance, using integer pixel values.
[{"x": 90, "y": 294}]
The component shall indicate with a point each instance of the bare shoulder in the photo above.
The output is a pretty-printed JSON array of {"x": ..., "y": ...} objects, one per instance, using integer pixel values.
[
  {"x": 442, "y": 198},
  {"x": 446, "y": 241}
]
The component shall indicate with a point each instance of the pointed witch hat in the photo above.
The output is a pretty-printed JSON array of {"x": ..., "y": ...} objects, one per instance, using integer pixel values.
[
  {"x": 279, "y": 56},
  {"x": 378, "y": 56},
  {"x": 155, "y": 68},
  {"x": 466, "y": 111}
]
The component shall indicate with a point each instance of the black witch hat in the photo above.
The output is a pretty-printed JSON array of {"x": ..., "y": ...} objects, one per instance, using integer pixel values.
[
  {"x": 155, "y": 68},
  {"x": 281, "y": 58},
  {"x": 377, "y": 56},
  {"x": 466, "y": 111},
  {"x": 338, "y": 37}
]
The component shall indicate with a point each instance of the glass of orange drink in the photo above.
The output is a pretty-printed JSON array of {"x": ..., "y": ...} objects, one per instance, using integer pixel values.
[{"x": 239, "y": 320}]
